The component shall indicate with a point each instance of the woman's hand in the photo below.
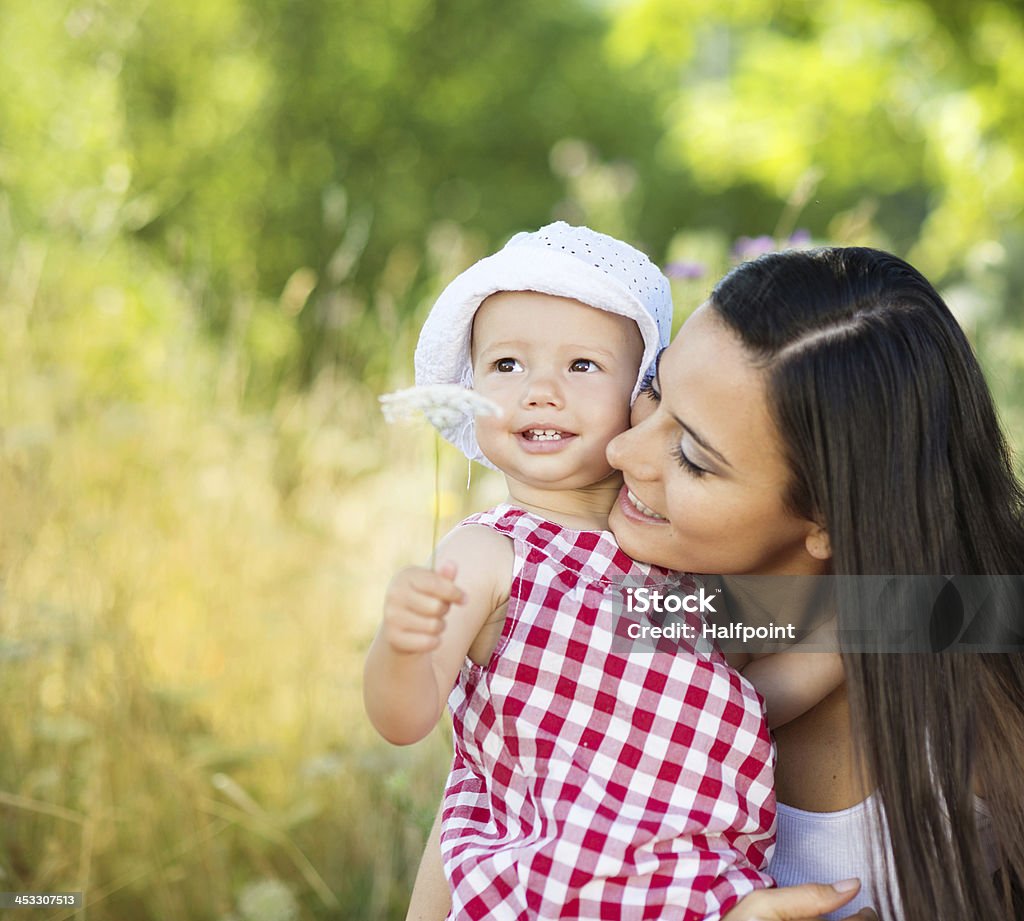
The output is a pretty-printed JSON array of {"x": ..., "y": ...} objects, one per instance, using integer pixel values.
[{"x": 799, "y": 903}]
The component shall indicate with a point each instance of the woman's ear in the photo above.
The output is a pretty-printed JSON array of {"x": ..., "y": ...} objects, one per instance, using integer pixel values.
[{"x": 818, "y": 544}]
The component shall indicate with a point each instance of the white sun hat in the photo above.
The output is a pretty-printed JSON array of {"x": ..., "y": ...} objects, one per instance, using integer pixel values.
[{"x": 558, "y": 259}]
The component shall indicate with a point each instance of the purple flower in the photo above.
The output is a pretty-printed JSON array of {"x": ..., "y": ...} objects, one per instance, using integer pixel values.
[
  {"x": 752, "y": 247},
  {"x": 747, "y": 248},
  {"x": 686, "y": 270}
]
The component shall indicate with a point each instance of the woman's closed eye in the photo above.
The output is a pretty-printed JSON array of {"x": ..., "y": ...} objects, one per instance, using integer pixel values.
[
  {"x": 507, "y": 365},
  {"x": 688, "y": 465},
  {"x": 648, "y": 389}
]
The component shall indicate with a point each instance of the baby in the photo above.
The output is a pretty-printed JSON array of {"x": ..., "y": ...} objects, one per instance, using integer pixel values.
[{"x": 588, "y": 781}]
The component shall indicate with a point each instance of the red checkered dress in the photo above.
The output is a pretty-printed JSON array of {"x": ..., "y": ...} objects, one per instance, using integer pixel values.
[{"x": 595, "y": 779}]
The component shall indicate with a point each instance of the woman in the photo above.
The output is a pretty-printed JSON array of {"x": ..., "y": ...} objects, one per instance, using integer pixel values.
[{"x": 824, "y": 413}]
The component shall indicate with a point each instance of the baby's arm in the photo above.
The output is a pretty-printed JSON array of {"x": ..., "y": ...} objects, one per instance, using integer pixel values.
[
  {"x": 431, "y": 896},
  {"x": 793, "y": 682},
  {"x": 428, "y": 626}
]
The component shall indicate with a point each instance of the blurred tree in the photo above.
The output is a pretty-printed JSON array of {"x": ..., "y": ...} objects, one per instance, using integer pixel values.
[
  {"x": 329, "y": 138},
  {"x": 309, "y": 173},
  {"x": 914, "y": 107}
]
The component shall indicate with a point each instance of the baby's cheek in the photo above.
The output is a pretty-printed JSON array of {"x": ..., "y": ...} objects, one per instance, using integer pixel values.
[
  {"x": 488, "y": 424},
  {"x": 643, "y": 407}
]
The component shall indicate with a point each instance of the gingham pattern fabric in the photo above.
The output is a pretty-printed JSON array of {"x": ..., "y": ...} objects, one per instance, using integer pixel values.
[{"x": 592, "y": 780}]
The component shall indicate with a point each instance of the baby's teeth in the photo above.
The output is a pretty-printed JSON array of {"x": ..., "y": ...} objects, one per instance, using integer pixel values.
[{"x": 545, "y": 434}]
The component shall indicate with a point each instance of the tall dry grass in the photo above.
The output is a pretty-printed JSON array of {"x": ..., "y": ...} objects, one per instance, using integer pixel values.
[{"x": 188, "y": 589}]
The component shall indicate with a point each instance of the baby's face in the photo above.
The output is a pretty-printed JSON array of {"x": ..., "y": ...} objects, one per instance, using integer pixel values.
[{"x": 562, "y": 373}]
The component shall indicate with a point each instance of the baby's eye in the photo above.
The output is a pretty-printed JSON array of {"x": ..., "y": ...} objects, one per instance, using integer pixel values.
[
  {"x": 507, "y": 365},
  {"x": 584, "y": 366}
]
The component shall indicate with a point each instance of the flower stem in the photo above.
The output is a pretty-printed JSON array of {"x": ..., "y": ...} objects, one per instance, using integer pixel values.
[{"x": 437, "y": 498}]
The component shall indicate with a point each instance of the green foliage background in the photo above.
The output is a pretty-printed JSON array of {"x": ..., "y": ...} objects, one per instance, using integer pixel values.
[{"x": 220, "y": 225}]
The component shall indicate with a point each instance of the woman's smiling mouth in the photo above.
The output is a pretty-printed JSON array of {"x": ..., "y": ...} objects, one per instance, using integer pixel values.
[{"x": 632, "y": 505}]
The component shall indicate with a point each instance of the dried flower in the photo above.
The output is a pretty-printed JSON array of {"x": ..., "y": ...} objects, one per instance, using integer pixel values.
[{"x": 443, "y": 405}]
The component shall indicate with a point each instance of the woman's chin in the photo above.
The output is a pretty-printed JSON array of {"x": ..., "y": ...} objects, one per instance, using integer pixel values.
[{"x": 649, "y": 541}]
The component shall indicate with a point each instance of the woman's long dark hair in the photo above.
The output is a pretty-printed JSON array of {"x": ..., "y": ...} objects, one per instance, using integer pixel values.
[{"x": 895, "y": 446}]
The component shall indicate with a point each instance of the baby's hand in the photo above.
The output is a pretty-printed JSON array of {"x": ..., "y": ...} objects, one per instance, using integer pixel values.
[{"x": 415, "y": 606}]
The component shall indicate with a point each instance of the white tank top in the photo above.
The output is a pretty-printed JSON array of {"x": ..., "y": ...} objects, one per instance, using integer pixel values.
[{"x": 825, "y": 847}]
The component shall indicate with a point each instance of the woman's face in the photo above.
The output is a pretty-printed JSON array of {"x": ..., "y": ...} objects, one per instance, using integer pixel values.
[{"x": 705, "y": 474}]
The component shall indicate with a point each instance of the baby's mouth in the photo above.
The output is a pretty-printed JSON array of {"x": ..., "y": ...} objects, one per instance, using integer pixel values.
[{"x": 544, "y": 434}]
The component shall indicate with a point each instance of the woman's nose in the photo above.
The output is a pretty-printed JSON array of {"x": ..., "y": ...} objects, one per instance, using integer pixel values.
[{"x": 630, "y": 451}]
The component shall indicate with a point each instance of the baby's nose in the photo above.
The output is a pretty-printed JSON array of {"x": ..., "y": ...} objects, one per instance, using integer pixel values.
[{"x": 542, "y": 390}]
